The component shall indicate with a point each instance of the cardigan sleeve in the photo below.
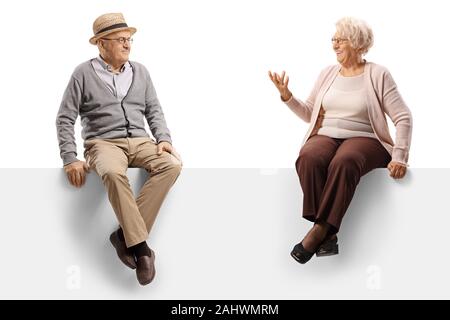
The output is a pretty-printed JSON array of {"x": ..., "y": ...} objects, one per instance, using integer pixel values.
[
  {"x": 304, "y": 109},
  {"x": 398, "y": 111},
  {"x": 154, "y": 113},
  {"x": 65, "y": 121}
]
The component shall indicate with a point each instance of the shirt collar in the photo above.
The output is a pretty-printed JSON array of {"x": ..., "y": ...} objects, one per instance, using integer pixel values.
[{"x": 107, "y": 67}]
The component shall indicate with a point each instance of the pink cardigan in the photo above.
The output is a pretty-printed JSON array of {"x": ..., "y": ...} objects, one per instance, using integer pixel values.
[{"x": 382, "y": 97}]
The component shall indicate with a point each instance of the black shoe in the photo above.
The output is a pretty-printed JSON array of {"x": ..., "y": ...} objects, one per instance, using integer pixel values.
[
  {"x": 300, "y": 254},
  {"x": 328, "y": 248}
]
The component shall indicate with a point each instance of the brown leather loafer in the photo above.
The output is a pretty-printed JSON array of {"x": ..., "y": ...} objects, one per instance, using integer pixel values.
[
  {"x": 145, "y": 271},
  {"x": 125, "y": 255}
]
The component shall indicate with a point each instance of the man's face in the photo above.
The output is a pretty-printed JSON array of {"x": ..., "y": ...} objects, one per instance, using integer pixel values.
[{"x": 115, "y": 47}]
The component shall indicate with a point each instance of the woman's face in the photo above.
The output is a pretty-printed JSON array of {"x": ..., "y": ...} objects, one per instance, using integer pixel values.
[{"x": 345, "y": 53}]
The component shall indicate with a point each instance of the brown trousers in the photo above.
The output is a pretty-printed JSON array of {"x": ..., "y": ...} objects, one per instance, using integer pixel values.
[
  {"x": 110, "y": 159},
  {"x": 329, "y": 170}
]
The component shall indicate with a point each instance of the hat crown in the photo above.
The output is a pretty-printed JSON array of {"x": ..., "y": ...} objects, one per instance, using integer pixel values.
[
  {"x": 107, "y": 20},
  {"x": 109, "y": 23}
]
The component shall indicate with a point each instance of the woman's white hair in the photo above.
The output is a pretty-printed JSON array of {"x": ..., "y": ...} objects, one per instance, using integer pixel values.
[{"x": 357, "y": 31}]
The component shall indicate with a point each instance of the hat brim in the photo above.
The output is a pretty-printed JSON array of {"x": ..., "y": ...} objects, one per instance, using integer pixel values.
[{"x": 94, "y": 39}]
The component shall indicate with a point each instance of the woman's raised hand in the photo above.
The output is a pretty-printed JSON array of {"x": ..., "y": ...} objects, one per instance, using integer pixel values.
[{"x": 281, "y": 82}]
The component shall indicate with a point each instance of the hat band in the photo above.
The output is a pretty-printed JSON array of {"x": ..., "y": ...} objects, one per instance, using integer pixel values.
[{"x": 114, "y": 26}]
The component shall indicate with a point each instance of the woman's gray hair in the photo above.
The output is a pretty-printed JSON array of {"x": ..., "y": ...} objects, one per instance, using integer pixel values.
[{"x": 357, "y": 31}]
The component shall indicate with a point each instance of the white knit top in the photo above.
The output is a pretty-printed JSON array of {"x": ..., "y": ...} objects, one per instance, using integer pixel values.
[{"x": 345, "y": 108}]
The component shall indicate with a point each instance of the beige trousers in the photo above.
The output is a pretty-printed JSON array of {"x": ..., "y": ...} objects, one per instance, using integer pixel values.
[{"x": 110, "y": 159}]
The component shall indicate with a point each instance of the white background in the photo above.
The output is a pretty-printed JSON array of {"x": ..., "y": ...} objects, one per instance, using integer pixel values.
[{"x": 209, "y": 63}]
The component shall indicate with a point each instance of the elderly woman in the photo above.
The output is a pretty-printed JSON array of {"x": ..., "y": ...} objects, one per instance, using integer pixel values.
[{"x": 348, "y": 134}]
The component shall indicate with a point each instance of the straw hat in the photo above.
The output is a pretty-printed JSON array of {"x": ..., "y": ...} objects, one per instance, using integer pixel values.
[{"x": 109, "y": 23}]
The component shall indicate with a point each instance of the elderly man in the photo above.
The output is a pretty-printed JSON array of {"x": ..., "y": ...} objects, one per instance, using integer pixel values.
[{"x": 112, "y": 95}]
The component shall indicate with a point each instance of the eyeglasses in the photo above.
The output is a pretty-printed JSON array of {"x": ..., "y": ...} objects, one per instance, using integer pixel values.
[
  {"x": 121, "y": 40},
  {"x": 338, "y": 40}
]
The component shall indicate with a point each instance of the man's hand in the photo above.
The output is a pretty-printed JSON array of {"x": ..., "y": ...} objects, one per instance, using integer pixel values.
[
  {"x": 397, "y": 170},
  {"x": 166, "y": 146},
  {"x": 76, "y": 173}
]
